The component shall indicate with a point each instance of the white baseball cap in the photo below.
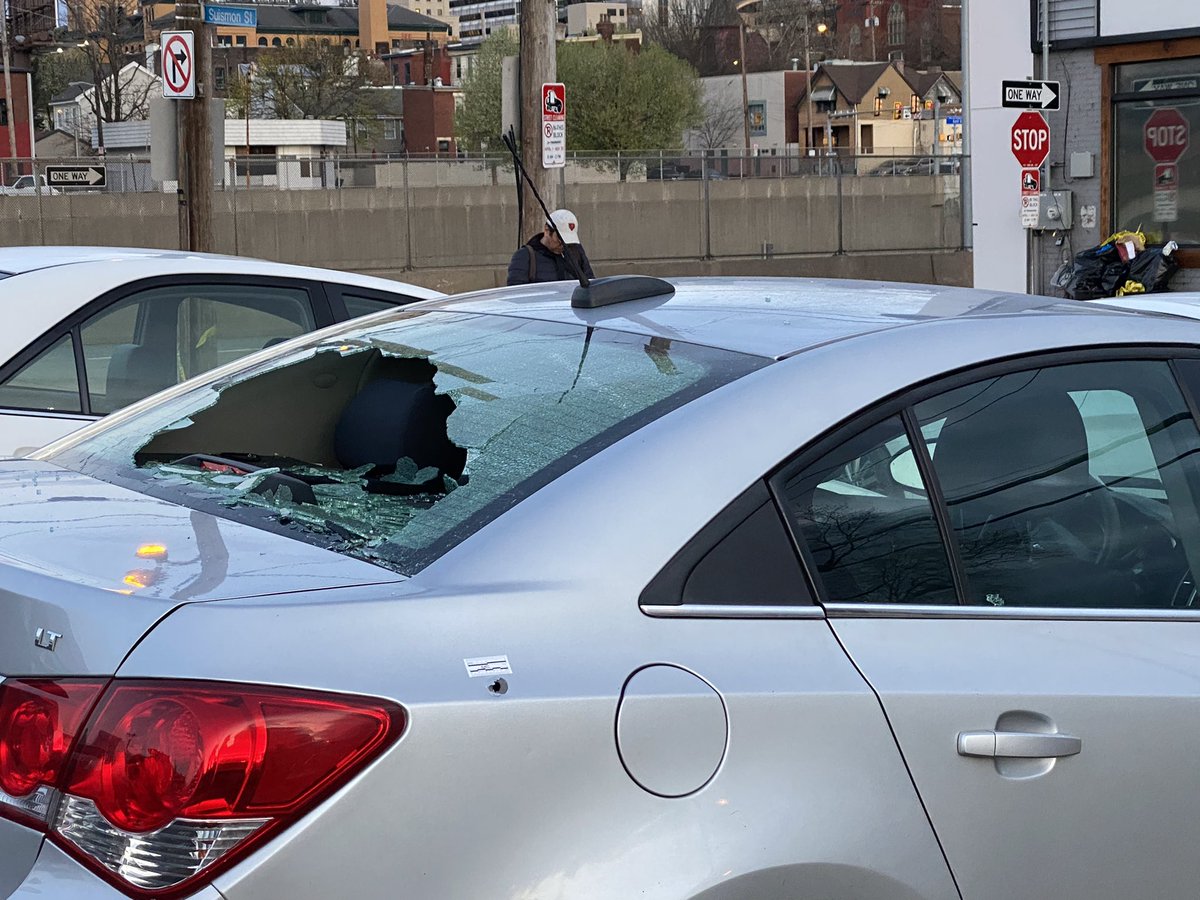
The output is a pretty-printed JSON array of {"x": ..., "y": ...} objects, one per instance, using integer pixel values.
[{"x": 566, "y": 223}]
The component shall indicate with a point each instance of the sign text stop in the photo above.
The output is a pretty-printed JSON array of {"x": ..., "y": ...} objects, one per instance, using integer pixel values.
[
  {"x": 1031, "y": 139},
  {"x": 1167, "y": 135}
]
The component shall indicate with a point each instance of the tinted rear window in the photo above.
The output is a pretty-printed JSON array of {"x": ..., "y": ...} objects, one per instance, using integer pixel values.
[{"x": 396, "y": 441}]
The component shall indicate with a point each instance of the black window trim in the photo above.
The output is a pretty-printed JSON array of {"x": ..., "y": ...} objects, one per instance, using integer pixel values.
[
  {"x": 900, "y": 404},
  {"x": 337, "y": 300},
  {"x": 662, "y": 596},
  {"x": 318, "y": 298}
]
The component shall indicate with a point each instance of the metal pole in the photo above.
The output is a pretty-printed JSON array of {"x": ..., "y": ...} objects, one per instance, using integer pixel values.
[
  {"x": 841, "y": 215},
  {"x": 745, "y": 87},
  {"x": 808, "y": 74},
  {"x": 964, "y": 170}
]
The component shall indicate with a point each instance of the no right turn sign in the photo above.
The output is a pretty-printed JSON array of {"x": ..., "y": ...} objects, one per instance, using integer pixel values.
[{"x": 179, "y": 65}]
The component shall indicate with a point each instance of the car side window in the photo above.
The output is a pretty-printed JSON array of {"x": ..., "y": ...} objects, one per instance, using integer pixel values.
[
  {"x": 868, "y": 524},
  {"x": 163, "y": 335},
  {"x": 363, "y": 306},
  {"x": 47, "y": 383},
  {"x": 1071, "y": 486}
]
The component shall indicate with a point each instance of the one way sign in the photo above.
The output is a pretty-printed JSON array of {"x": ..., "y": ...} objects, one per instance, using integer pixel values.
[
  {"x": 1030, "y": 95},
  {"x": 75, "y": 176}
]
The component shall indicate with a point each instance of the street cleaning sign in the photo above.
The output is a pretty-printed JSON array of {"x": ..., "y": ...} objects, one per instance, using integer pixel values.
[
  {"x": 179, "y": 65},
  {"x": 232, "y": 16},
  {"x": 554, "y": 125}
]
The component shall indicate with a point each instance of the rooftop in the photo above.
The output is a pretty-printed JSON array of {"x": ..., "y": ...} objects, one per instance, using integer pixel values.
[{"x": 773, "y": 317}]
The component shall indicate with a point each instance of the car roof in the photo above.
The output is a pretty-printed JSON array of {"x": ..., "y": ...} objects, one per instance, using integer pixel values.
[
  {"x": 1185, "y": 303},
  {"x": 773, "y": 317},
  {"x": 148, "y": 262}
]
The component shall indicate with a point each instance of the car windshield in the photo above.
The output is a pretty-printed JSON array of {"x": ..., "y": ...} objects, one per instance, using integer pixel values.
[{"x": 395, "y": 441}]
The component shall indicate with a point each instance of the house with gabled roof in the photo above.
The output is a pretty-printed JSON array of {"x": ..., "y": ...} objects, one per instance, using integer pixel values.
[{"x": 876, "y": 108}]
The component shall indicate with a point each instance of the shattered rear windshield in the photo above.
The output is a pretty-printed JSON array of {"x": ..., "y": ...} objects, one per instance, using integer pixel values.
[{"x": 395, "y": 441}]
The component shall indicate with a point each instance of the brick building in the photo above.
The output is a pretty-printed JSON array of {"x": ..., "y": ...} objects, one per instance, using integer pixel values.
[
  {"x": 920, "y": 32},
  {"x": 15, "y": 114}
]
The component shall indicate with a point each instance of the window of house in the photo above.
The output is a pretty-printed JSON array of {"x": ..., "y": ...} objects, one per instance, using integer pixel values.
[
  {"x": 276, "y": 42},
  {"x": 262, "y": 42},
  {"x": 260, "y": 161},
  {"x": 219, "y": 78},
  {"x": 443, "y": 145},
  {"x": 3, "y": 111},
  {"x": 1156, "y": 107},
  {"x": 895, "y": 25},
  {"x": 240, "y": 40},
  {"x": 389, "y": 129}
]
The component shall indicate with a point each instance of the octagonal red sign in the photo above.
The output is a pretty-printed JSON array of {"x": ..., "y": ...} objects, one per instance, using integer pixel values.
[
  {"x": 1167, "y": 135},
  {"x": 1031, "y": 139}
]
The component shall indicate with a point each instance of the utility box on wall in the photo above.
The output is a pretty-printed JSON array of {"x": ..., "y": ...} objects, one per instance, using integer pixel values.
[{"x": 1055, "y": 211}]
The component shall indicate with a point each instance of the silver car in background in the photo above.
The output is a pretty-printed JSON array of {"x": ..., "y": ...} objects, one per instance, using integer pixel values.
[{"x": 733, "y": 589}]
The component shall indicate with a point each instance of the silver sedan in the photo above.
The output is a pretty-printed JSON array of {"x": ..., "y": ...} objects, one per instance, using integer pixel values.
[{"x": 708, "y": 589}]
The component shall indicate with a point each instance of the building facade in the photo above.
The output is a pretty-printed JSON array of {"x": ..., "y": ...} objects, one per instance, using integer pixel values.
[
  {"x": 920, "y": 32},
  {"x": 1124, "y": 144},
  {"x": 16, "y": 116}
]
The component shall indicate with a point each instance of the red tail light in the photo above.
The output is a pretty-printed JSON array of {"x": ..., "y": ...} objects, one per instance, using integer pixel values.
[
  {"x": 170, "y": 782},
  {"x": 38, "y": 721}
]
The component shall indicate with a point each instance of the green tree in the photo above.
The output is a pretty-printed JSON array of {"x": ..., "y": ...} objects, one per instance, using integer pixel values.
[
  {"x": 53, "y": 73},
  {"x": 477, "y": 121},
  {"x": 622, "y": 100}
]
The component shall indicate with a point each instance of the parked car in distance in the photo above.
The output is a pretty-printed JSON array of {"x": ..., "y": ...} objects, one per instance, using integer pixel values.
[
  {"x": 25, "y": 185},
  {"x": 920, "y": 165},
  {"x": 713, "y": 589},
  {"x": 88, "y": 330}
]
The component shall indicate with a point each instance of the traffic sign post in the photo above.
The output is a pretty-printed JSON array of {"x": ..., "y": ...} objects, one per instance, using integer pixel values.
[
  {"x": 76, "y": 176},
  {"x": 554, "y": 125},
  {"x": 1030, "y": 145},
  {"x": 1166, "y": 137},
  {"x": 179, "y": 65},
  {"x": 1030, "y": 95}
]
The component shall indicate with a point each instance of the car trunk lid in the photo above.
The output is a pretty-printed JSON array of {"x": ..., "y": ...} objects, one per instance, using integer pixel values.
[{"x": 87, "y": 568}]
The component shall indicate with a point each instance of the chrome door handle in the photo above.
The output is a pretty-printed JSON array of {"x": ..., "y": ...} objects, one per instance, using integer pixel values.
[{"x": 1017, "y": 744}]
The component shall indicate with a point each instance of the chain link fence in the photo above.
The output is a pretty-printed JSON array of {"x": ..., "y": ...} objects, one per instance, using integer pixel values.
[{"x": 404, "y": 213}]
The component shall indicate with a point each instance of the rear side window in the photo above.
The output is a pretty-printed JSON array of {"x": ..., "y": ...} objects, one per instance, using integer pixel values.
[{"x": 396, "y": 441}]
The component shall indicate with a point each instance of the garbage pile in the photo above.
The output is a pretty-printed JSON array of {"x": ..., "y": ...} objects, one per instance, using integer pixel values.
[{"x": 1124, "y": 264}]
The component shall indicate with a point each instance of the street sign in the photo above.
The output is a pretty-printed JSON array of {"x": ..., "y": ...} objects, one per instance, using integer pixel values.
[
  {"x": 1166, "y": 135},
  {"x": 1031, "y": 182},
  {"x": 179, "y": 65},
  {"x": 75, "y": 176},
  {"x": 554, "y": 125},
  {"x": 1031, "y": 210},
  {"x": 1031, "y": 139},
  {"x": 953, "y": 120},
  {"x": 1030, "y": 95},
  {"x": 234, "y": 16}
]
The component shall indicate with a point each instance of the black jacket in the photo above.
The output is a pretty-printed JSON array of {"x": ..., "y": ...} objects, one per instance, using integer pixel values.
[{"x": 546, "y": 266}]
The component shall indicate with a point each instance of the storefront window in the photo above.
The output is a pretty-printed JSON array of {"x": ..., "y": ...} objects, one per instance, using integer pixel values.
[{"x": 1156, "y": 119}]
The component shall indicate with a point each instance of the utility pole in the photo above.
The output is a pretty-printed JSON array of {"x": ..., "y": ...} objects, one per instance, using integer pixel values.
[
  {"x": 195, "y": 139},
  {"x": 539, "y": 31},
  {"x": 8, "y": 94}
]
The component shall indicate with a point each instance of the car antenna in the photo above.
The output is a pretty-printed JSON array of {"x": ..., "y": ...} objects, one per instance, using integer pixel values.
[{"x": 576, "y": 269}]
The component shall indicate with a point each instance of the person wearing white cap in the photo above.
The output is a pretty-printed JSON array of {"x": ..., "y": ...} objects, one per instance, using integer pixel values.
[{"x": 543, "y": 256}]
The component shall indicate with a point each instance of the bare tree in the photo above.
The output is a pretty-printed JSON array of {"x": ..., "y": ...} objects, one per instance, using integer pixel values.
[
  {"x": 107, "y": 31},
  {"x": 680, "y": 26},
  {"x": 722, "y": 123}
]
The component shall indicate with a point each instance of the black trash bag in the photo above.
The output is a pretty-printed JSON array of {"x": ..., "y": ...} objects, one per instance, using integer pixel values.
[
  {"x": 1154, "y": 268},
  {"x": 1096, "y": 273}
]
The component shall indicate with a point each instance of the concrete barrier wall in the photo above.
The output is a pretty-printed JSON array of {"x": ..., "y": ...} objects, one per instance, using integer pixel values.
[{"x": 463, "y": 235}]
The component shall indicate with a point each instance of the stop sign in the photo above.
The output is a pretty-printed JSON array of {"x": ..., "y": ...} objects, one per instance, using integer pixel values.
[
  {"x": 1031, "y": 139},
  {"x": 1166, "y": 135}
]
